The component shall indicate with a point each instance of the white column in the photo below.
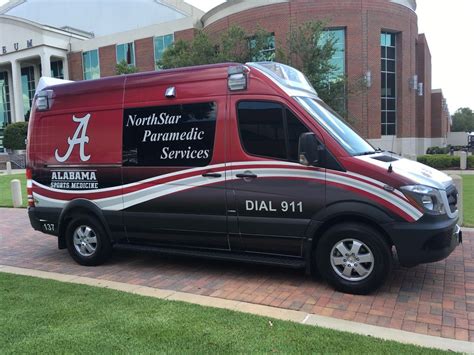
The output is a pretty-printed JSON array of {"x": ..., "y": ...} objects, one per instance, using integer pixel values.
[
  {"x": 18, "y": 114},
  {"x": 45, "y": 64},
  {"x": 66, "y": 68},
  {"x": 11, "y": 94}
]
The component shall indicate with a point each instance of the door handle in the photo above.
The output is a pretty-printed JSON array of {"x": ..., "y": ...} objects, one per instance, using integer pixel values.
[
  {"x": 212, "y": 175},
  {"x": 246, "y": 175}
]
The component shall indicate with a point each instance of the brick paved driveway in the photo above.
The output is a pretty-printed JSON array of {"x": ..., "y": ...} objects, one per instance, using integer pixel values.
[{"x": 435, "y": 299}]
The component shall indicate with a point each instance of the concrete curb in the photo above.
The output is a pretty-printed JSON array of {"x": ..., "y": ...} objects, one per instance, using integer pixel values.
[{"x": 261, "y": 310}]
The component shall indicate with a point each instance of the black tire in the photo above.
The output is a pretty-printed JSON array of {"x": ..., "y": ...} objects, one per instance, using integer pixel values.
[
  {"x": 94, "y": 251},
  {"x": 346, "y": 277}
]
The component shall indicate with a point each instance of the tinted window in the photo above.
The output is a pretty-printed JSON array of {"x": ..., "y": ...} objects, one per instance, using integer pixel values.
[
  {"x": 178, "y": 135},
  {"x": 295, "y": 129},
  {"x": 264, "y": 127}
]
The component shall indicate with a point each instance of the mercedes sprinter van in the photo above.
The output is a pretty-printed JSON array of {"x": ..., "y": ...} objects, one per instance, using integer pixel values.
[{"x": 229, "y": 161}]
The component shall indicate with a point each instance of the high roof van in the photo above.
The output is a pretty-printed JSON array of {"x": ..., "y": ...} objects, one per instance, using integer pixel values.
[{"x": 229, "y": 161}]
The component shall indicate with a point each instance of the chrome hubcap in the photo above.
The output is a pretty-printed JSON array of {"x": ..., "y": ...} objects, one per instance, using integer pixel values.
[
  {"x": 85, "y": 240},
  {"x": 352, "y": 260}
]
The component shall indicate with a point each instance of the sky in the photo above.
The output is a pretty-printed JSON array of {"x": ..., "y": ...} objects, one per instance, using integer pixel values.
[{"x": 449, "y": 31}]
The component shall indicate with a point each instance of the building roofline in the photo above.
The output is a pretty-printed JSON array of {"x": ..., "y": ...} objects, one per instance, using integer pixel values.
[
  {"x": 10, "y": 5},
  {"x": 42, "y": 27},
  {"x": 411, "y": 4},
  {"x": 242, "y": 4}
]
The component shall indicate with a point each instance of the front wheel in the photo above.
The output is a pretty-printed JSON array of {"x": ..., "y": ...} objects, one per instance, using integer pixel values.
[
  {"x": 87, "y": 242},
  {"x": 353, "y": 258}
]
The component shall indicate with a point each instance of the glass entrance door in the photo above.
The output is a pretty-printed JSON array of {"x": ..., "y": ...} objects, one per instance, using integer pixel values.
[
  {"x": 28, "y": 88},
  {"x": 5, "y": 113}
]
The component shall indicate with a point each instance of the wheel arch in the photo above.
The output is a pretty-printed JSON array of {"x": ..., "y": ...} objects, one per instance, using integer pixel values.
[
  {"x": 347, "y": 212},
  {"x": 75, "y": 207}
]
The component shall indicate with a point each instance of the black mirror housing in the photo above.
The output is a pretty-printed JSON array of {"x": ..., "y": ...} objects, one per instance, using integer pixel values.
[{"x": 308, "y": 149}]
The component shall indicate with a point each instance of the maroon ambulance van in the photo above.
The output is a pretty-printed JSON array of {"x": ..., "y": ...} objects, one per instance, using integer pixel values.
[{"x": 229, "y": 161}]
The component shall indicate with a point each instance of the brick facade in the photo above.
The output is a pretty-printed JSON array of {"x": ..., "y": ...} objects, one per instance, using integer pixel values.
[
  {"x": 423, "y": 103},
  {"x": 108, "y": 60},
  {"x": 185, "y": 35},
  {"x": 145, "y": 54},
  {"x": 363, "y": 21},
  {"x": 74, "y": 60},
  {"x": 440, "y": 115}
]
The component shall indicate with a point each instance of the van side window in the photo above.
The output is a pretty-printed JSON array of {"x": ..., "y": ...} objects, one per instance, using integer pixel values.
[
  {"x": 295, "y": 129},
  {"x": 175, "y": 135},
  {"x": 268, "y": 129},
  {"x": 261, "y": 128}
]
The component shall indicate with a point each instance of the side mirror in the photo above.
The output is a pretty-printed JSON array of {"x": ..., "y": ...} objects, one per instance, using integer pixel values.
[{"x": 308, "y": 149}]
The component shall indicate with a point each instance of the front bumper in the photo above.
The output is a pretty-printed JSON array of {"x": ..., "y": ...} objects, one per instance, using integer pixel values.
[{"x": 425, "y": 241}]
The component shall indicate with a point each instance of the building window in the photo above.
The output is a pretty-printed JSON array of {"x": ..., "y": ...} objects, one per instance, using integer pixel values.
[
  {"x": 389, "y": 84},
  {"x": 5, "y": 113},
  {"x": 90, "y": 63},
  {"x": 160, "y": 44},
  {"x": 338, "y": 59},
  {"x": 57, "y": 70},
  {"x": 267, "y": 54},
  {"x": 28, "y": 89},
  {"x": 126, "y": 52}
]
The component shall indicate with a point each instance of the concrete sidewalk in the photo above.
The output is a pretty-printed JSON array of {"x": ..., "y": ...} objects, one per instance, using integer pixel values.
[{"x": 14, "y": 171}]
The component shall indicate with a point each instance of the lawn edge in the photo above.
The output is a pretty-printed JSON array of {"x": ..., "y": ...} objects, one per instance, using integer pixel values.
[{"x": 383, "y": 333}]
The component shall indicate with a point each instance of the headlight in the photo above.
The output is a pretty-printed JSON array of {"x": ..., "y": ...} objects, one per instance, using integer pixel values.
[{"x": 429, "y": 199}]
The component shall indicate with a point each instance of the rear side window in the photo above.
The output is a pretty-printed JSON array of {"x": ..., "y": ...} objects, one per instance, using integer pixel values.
[
  {"x": 268, "y": 129},
  {"x": 177, "y": 135}
]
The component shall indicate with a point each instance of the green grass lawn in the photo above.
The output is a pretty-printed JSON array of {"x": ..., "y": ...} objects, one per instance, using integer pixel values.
[
  {"x": 44, "y": 316},
  {"x": 5, "y": 190},
  {"x": 468, "y": 199}
]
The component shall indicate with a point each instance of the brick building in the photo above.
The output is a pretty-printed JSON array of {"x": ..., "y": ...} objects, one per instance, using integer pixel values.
[{"x": 378, "y": 41}]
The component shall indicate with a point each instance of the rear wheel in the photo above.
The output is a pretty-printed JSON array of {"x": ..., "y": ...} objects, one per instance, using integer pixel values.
[
  {"x": 87, "y": 242},
  {"x": 353, "y": 258}
]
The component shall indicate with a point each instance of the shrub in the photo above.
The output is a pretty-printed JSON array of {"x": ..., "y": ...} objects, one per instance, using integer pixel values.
[
  {"x": 124, "y": 68},
  {"x": 437, "y": 150},
  {"x": 15, "y": 135},
  {"x": 470, "y": 162},
  {"x": 440, "y": 161}
]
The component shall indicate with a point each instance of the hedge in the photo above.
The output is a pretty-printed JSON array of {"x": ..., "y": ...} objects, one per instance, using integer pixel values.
[
  {"x": 439, "y": 161},
  {"x": 15, "y": 135}
]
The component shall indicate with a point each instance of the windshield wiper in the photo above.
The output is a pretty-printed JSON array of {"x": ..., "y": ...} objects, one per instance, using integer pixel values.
[{"x": 378, "y": 150}]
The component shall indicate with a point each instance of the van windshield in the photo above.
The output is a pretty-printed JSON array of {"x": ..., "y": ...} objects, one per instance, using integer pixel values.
[{"x": 336, "y": 127}]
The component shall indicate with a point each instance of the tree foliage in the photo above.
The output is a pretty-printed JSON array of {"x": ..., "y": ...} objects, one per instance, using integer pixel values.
[
  {"x": 15, "y": 135},
  {"x": 308, "y": 48},
  {"x": 124, "y": 68},
  {"x": 463, "y": 120},
  {"x": 232, "y": 46}
]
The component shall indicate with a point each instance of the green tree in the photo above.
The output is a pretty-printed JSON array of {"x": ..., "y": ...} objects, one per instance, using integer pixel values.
[
  {"x": 463, "y": 120},
  {"x": 310, "y": 49},
  {"x": 232, "y": 46},
  {"x": 124, "y": 68}
]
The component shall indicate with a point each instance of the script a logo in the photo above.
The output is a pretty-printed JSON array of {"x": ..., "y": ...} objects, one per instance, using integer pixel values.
[{"x": 78, "y": 138}]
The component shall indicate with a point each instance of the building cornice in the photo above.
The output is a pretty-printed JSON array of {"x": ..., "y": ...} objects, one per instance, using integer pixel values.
[
  {"x": 40, "y": 27},
  {"x": 411, "y": 4},
  {"x": 234, "y": 6}
]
